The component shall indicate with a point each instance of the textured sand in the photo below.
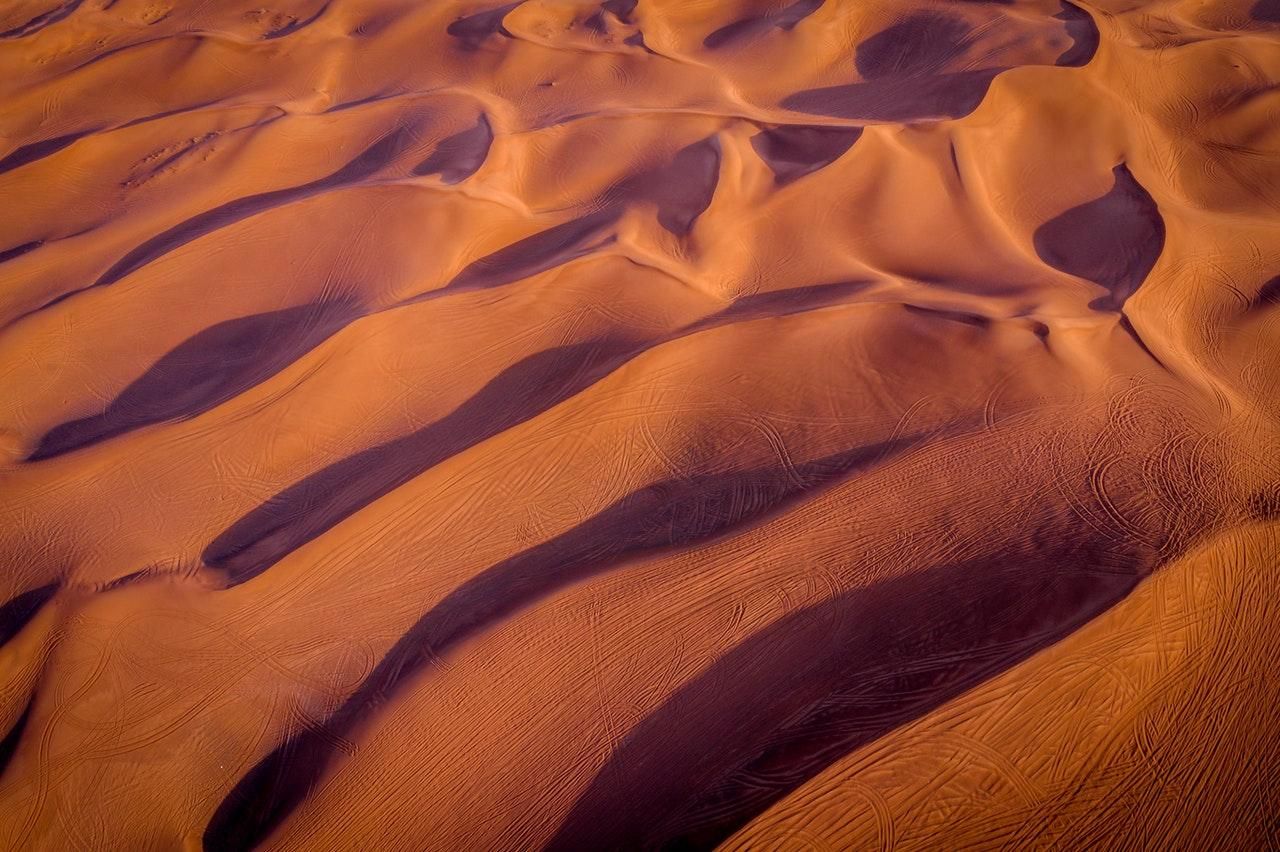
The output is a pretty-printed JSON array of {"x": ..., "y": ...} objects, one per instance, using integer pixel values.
[{"x": 658, "y": 423}]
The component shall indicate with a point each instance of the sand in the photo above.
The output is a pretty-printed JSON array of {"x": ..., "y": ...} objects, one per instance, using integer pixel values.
[{"x": 639, "y": 424}]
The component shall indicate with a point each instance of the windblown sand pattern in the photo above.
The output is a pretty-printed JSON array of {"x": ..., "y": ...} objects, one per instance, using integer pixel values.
[{"x": 639, "y": 424}]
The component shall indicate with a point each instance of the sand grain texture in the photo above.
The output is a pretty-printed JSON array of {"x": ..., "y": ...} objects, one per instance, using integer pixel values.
[{"x": 639, "y": 424}]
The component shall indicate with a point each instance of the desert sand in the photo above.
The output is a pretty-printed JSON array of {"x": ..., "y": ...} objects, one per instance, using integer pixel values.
[{"x": 640, "y": 424}]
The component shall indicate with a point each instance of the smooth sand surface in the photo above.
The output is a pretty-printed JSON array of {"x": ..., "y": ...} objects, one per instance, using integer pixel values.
[{"x": 639, "y": 424}]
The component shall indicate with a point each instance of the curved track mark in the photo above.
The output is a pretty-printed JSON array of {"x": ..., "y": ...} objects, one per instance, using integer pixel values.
[{"x": 675, "y": 513}]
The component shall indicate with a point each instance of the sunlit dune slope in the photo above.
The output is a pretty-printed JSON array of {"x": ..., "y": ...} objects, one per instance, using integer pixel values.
[{"x": 639, "y": 424}]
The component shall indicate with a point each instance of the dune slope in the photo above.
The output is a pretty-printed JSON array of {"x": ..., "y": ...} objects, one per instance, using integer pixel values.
[{"x": 639, "y": 424}]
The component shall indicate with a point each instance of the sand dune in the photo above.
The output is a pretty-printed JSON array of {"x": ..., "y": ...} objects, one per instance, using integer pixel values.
[{"x": 644, "y": 423}]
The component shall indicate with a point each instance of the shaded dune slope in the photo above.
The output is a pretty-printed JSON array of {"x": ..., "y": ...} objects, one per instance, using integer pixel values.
[{"x": 638, "y": 424}]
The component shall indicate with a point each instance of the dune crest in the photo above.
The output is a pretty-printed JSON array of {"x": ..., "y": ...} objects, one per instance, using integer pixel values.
[{"x": 639, "y": 424}]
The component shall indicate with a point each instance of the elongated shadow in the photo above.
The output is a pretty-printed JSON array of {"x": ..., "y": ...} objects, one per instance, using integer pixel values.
[
  {"x": 295, "y": 26},
  {"x": 935, "y": 96},
  {"x": 1268, "y": 294},
  {"x": 9, "y": 745},
  {"x": 674, "y": 513},
  {"x": 793, "y": 698},
  {"x": 314, "y": 505},
  {"x": 472, "y": 30},
  {"x": 681, "y": 191},
  {"x": 1113, "y": 241},
  {"x": 33, "y": 151},
  {"x": 539, "y": 252},
  {"x": 748, "y": 28},
  {"x": 793, "y": 151},
  {"x": 19, "y": 610},
  {"x": 15, "y": 615},
  {"x": 44, "y": 148},
  {"x": 231, "y": 357},
  {"x": 317, "y": 503},
  {"x": 45, "y": 19},
  {"x": 779, "y": 303},
  {"x": 204, "y": 371},
  {"x": 364, "y": 165},
  {"x": 19, "y": 251},
  {"x": 455, "y": 159}
]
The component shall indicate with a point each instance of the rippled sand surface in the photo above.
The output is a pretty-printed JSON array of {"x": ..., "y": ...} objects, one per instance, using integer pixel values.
[{"x": 649, "y": 423}]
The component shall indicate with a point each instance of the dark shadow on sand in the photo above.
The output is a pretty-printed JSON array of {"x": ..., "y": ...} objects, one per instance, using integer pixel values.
[
  {"x": 320, "y": 501},
  {"x": 20, "y": 250},
  {"x": 903, "y": 72},
  {"x": 899, "y": 100},
  {"x": 229, "y": 358},
  {"x": 1266, "y": 11},
  {"x": 472, "y": 30},
  {"x": 9, "y": 745},
  {"x": 45, "y": 19},
  {"x": 539, "y": 252},
  {"x": 671, "y": 514},
  {"x": 315, "y": 504},
  {"x": 204, "y": 371},
  {"x": 38, "y": 150},
  {"x": 748, "y": 28},
  {"x": 295, "y": 26},
  {"x": 1268, "y": 294},
  {"x": 1113, "y": 241},
  {"x": 789, "y": 701},
  {"x": 363, "y": 166},
  {"x": 458, "y": 157},
  {"x": 684, "y": 188},
  {"x": 793, "y": 151},
  {"x": 18, "y": 611}
]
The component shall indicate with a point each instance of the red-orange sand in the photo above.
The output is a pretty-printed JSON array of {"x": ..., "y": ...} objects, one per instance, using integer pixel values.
[{"x": 829, "y": 424}]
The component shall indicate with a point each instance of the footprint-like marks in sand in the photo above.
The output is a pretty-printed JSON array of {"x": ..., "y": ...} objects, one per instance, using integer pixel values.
[
  {"x": 314, "y": 505},
  {"x": 293, "y": 25},
  {"x": 674, "y": 513},
  {"x": 787, "y": 702}
]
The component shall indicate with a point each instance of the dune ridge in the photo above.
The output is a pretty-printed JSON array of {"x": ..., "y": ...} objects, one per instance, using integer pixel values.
[{"x": 639, "y": 424}]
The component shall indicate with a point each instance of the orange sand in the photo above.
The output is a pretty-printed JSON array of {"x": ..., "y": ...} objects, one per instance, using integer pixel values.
[{"x": 579, "y": 425}]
